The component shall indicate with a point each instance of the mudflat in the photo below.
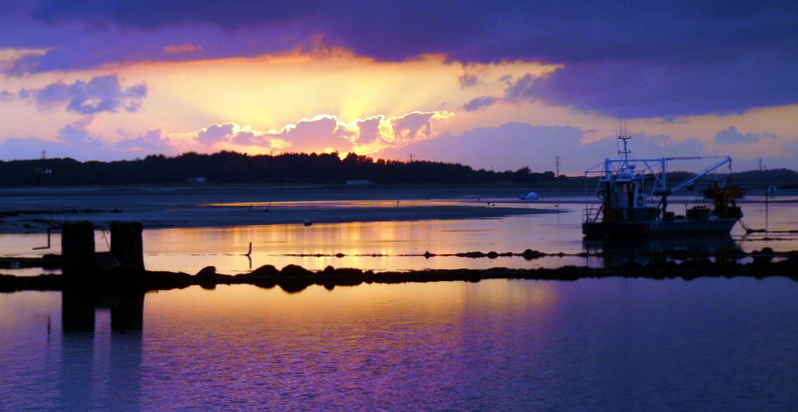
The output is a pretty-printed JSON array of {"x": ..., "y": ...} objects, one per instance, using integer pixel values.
[{"x": 34, "y": 210}]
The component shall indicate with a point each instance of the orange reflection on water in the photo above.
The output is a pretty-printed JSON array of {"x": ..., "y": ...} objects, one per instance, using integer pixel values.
[
  {"x": 342, "y": 338},
  {"x": 347, "y": 323},
  {"x": 354, "y": 244}
]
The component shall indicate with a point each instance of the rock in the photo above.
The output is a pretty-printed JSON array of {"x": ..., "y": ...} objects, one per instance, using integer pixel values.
[
  {"x": 206, "y": 277},
  {"x": 208, "y": 272},
  {"x": 530, "y": 254},
  {"x": 265, "y": 270},
  {"x": 294, "y": 270}
]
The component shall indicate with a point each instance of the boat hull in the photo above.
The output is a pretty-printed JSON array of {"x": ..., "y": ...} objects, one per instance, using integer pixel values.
[{"x": 659, "y": 229}]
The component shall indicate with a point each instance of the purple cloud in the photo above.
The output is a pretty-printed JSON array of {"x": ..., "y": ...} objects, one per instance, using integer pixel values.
[
  {"x": 653, "y": 89},
  {"x": 648, "y": 58},
  {"x": 316, "y": 135},
  {"x": 412, "y": 126},
  {"x": 515, "y": 145},
  {"x": 247, "y": 139},
  {"x": 568, "y": 31},
  {"x": 100, "y": 94},
  {"x": 150, "y": 143},
  {"x": 216, "y": 133},
  {"x": 76, "y": 141},
  {"x": 480, "y": 103},
  {"x": 6, "y": 96},
  {"x": 77, "y": 133},
  {"x": 732, "y": 136},
  {"x": 369, "y": 129}
]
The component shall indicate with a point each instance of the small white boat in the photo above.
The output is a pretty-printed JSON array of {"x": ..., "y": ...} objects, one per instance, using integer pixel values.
[{"x": 531, "y": 196}]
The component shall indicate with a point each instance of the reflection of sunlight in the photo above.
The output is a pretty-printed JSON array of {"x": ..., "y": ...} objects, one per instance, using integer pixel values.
[
  {"x": 379, "y": 246},
  {"x": 450, "y": 298},
  {"x": 265, "y": 333}
]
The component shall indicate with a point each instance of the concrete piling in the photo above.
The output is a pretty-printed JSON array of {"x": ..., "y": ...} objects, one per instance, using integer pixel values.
[
  {"x": 127, "y": 245},
  {"x": 77, "y": 251}
]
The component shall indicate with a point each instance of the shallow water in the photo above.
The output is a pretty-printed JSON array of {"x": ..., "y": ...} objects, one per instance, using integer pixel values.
[
  {"x": 397, "y": 245},
  {"x": 592, "y": 344},
  {"x": 609, "y": 344}
]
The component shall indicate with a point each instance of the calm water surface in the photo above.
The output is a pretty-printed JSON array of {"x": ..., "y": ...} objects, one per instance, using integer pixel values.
[
  {"x": 610, "y": 344},
  {"x": 382, "y": 246}
]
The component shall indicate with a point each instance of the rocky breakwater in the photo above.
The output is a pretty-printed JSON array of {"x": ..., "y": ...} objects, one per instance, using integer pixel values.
[{"x": 293, "y": 278}]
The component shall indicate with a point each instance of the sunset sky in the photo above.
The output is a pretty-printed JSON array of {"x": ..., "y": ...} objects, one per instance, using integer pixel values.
[{"x": 491, "y": 84}]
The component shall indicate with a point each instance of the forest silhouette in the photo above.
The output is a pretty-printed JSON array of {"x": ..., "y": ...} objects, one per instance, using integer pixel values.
[
  {"x": 290, "y": 168},
  {"x": 232, "y": 167}
]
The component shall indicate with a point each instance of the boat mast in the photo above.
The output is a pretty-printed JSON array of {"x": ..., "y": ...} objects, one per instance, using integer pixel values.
[{"x": 624, "y": 137}]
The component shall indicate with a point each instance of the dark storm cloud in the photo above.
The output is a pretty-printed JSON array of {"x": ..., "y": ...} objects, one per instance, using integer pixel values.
[
  {"x": 100, "y": 94},
  {"x": 651, "y": 57},
  {"x": 566, "y": 31},
  {"x": 653, "y": 89}
]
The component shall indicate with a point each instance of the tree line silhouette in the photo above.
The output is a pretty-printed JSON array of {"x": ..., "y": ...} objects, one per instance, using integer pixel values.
[{"x": 232, "y": 167}]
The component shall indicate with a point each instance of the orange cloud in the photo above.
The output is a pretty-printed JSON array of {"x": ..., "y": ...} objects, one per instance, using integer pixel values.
[{"x": 181, "y": 48}]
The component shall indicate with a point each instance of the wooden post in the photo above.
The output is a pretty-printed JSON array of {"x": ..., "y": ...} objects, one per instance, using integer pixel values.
[
  {"x": 77, "y": 251},
  {"x": 126, "y": 244}
]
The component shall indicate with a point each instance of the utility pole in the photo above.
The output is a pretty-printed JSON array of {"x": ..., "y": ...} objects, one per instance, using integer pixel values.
[{"x": 557, "y": 162}]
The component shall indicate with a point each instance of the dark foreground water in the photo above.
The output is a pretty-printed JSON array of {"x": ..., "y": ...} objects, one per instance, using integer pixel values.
[{"x": 609, "y": 344}]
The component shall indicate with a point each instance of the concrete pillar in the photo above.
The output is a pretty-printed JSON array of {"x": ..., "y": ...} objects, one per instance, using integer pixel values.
[
  {"x": 77, "y": 310},
  {"x": 127, "y": 312},
  {"x": 126, "y": 243},
  {"x": 77, "y": 251}
]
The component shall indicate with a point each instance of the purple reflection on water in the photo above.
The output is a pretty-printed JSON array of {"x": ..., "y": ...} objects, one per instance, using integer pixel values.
[{"x": 608, "y": 344}]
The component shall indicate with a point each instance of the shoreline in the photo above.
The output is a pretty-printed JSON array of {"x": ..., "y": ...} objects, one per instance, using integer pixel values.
[{"x": 34, "y": 210}]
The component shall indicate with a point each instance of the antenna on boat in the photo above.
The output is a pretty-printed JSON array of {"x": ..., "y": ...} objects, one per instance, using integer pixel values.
[{"x": 624, "y": 137}]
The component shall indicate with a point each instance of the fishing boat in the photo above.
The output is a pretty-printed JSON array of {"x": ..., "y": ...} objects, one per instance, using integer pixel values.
[{"x": 633, "y": 195}]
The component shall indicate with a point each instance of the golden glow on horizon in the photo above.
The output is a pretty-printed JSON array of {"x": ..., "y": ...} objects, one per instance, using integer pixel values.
[{"x": 272, "y": 95}]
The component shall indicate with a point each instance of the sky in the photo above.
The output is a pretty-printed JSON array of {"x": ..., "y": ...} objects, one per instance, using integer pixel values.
[{"x": 497, "y": 85}]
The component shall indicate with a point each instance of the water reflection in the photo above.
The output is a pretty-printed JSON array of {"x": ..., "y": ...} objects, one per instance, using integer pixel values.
[
  {"x": 101, "y": 368},
  {"x": 615, "y": 252},
  {"x": 392, "y": 245},
  {"x": 79, "y": 306},
  {"x": 376, "y": 246},
  {"x": 604, "y": 344}
]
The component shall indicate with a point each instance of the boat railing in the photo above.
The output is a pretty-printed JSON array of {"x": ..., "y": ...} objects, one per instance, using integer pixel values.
[{"x": 591, "y": 213}]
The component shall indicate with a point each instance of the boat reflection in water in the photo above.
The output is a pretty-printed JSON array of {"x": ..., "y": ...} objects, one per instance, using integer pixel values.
[{"x": 642, "y": 251}]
